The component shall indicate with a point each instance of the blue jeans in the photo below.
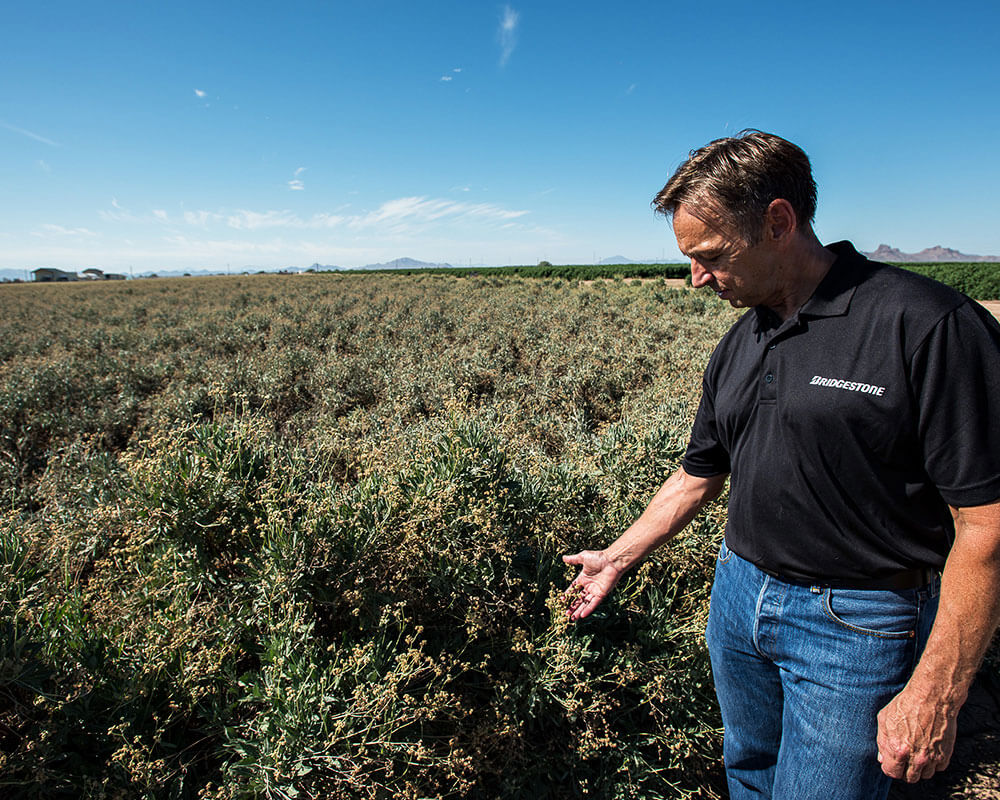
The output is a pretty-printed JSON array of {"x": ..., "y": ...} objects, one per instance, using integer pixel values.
[{"x": 801, "y": 673}]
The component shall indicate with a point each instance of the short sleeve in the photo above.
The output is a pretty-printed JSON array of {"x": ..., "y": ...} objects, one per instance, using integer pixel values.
[
  {"x": 705, "y": 455},
  {"x": 955, "y": 378}
]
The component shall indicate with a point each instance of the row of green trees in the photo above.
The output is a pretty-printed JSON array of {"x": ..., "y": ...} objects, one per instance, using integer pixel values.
[
  {"x": 978, "y": 280},
  {"x": 546, "y": 270}
]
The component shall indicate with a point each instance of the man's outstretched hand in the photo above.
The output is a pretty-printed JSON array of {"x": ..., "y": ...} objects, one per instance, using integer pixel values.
[{"x": 598, "y": 576}]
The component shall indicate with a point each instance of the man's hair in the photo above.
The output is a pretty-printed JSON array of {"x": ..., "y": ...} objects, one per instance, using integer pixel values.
[{"x": 738, "y": 177}]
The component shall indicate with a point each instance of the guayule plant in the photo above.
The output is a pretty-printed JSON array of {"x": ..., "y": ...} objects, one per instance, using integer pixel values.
[{"x": 300, "y": 536}]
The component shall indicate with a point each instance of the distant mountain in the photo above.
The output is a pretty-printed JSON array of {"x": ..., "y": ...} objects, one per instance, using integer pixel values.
[
  {"x": 175, "y": 273},
  {"x": 402, "y": 263},
  {"x": 14, "y": 275},
  {"x": 398, "y": 263},
  {"x": 616, "y": 260},
  {"x": 937, "y": 253}
]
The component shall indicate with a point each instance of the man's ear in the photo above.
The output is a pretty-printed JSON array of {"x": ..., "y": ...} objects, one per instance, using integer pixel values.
[{"x": 781, "y": 220}]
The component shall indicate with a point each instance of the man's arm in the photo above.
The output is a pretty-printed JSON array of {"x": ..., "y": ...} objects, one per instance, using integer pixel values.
[
  {"x": 916, "y": 730},
  {"x": 673, "y": 507}
]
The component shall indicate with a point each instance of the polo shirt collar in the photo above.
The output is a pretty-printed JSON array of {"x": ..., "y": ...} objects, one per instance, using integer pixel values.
[
  {"x": 832, "y": 297},
  {"x": 834, "y": 293}
]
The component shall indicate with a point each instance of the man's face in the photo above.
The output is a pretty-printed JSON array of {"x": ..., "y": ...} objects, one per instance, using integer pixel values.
[{"x": 736, "y": 271}]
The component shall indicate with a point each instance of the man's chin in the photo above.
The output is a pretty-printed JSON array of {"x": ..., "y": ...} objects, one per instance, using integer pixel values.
[{"x": 735, "y": 302}]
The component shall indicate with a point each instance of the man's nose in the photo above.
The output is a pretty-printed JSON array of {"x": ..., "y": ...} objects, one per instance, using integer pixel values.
[{"x": 699, "y": 275}]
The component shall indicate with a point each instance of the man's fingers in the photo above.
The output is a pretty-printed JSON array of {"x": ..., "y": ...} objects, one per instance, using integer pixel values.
[
  {"x": 910, "y": 767},
  {"x": 913, "y": 745},
  {"x": 922, "y": 769},
  {"x": 919, "y": 768},
  {"x": 892, "y": 767},
  {"x": 586, "y": 599},
  {"x": 582, "y": 607}
]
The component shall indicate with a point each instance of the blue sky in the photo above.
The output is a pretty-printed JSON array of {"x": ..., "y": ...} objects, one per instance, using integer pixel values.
[{"x": 154, "y": 135}]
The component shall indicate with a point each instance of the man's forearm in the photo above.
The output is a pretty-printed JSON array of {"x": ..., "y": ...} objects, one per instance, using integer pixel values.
[
  {"x": 968, "y": 609},
  {"x": 671, "y": 509},
  {"x": 917, "y": 729}
]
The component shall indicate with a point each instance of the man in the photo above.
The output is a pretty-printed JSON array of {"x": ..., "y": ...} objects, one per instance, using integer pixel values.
[{"x": 854, "y": 410}]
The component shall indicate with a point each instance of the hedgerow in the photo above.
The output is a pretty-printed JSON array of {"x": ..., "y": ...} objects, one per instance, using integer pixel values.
[
  {"x": 545, "y": 270},
  {"x": 980, "y": 281}
]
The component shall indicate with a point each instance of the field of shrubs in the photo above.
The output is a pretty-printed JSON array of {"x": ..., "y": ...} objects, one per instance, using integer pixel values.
[{"x": 300, "y": 537}]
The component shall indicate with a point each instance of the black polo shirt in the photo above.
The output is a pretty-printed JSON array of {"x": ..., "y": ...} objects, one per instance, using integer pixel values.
[{"x": 850, "y": 428}]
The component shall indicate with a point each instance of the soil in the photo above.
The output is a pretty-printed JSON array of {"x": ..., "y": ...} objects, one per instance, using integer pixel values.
[{"x": 993, "y": 306}]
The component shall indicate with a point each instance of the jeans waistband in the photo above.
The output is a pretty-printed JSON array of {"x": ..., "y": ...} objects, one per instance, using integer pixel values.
[{"x": 900, "y": 581}]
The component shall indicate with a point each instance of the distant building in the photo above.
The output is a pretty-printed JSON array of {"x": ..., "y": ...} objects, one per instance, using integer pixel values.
[{"x": 50, "y": 274}]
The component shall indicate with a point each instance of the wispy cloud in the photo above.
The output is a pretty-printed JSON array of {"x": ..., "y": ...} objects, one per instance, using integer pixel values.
[
  {"x": 507, "y": 33},
  {"x": 200, "y": 93},
  {"x": 446, "y": 77},
  {"x": 410, "y": 213},
  {"x": 433, "y": 222},
  {"x": 200, "y": 219},
  {"x": 29, "y": 134},
  {"x": 256, "y": 220},
  {"x": 117, "y": 213},
  {"x": 44, "y": 166},
  {"x": 297, "y": 185},
  {"x": 225, "y": 248},
  {"x": 245, "y": 220},
  {"x": 59, "y": 230}
]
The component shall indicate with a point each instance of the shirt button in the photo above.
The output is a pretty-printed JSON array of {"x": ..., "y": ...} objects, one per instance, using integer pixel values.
[{"x": 769, "y": 378}]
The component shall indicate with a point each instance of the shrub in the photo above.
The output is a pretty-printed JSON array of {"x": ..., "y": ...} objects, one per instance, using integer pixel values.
[{"x": 278, "y": 538}]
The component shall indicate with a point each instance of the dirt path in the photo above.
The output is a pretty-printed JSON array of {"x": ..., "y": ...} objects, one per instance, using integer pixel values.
[{"x": 993, "y": 306}]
